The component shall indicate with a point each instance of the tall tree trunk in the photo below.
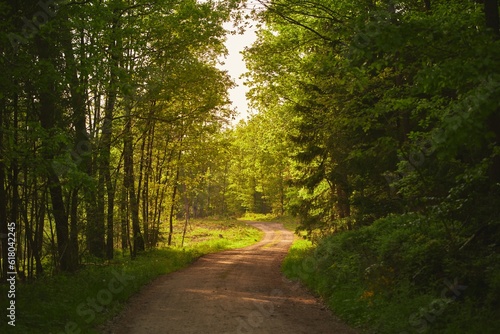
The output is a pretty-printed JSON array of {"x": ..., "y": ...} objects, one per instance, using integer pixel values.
[
  {"x": 281, "y": 193},
  {"x": 33, "y": 230},
  {"x": 96, "y": 231},
  {"x": 174, "y": 194},
  {"x": 105, "y": 168},
  {"x": 142, "y": 189},
  {"x": 39, "y": 228},
  {"x": 186, "y": 214},
  {"x": 145, "y": 171},
  {"x": 110, "y": 217},
  {"x": 124, "y": 219},
  {"x": 148, "y": 176},
  {"x": 107, "y": 131},
  {"x": 160, "y": 197},
  {"x": 81, "y": 147},
  {"x": 128, "y": 156},
  {"x": 73, "y": 226},
  {"x": 49, "y": 112}
]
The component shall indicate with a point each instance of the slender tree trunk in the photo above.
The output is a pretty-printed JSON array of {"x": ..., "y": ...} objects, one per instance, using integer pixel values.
[
  {"x": 224, "y": 190},
  {"x": 282, "y": 193},
  {"x": 107, "y": 131},
  {"x": 105, "y": 154},
  {"x": 29, "y": 243},
  {"x": 110, "y": 217},
  {"x": 186, "y": 215},
  {"x": 172, "y": 209},
  {"x": 38, "y": 237},
  {"x": 145, "y": 191},
  {"x": 96, "y": 231},
  {"x": 124, "y": 219},
  {"x": 141, "y": 188},
  {"x": 145, "y": 171},
  {"x": 73, "y": 226},
  {"x": 31, "y": 235},
  {"x": 174, "y": 194},
  {"x": 161, "y": 190},
  {"x": 82, "y": 149},
  {"x": 160, "y": 196},
  {"x": 128, "y": 154},
  {"x": 144, "y": 174}
]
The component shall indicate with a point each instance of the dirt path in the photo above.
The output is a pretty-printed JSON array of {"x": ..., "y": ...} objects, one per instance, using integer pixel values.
[{"x": 237, "y": 291}]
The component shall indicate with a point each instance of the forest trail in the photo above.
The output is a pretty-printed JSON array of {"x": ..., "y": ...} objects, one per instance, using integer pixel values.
[{"x": 236, "y": 291}]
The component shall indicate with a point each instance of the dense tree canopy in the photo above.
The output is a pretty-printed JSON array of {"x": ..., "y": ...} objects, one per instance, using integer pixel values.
[
  {"x": 377, "y": 119},
  {"x": 392, "y": 102},
  {"x": 393, "y": 129},
  {"x": 102, "y": 106}
]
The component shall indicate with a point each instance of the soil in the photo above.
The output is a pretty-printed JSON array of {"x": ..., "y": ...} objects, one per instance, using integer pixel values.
[{"x": 236, "y": 291}]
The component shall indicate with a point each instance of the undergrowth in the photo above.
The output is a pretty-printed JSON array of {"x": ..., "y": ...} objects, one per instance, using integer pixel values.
[{"x": 400, "y": 275}]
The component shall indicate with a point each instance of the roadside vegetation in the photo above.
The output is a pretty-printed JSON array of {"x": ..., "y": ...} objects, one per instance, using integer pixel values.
[
  {"x": 386, "y": 120},
  {"x": 78, "y": 302},
  {"x": 399, "y": 276}
]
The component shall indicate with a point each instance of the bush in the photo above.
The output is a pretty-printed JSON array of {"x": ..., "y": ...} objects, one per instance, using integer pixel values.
[{"x": 403, "y": 274}]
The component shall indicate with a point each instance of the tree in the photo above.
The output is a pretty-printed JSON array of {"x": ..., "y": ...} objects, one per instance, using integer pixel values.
[
  {"x": 85, "y": 86},
  {"x": 373, "y": 99}
]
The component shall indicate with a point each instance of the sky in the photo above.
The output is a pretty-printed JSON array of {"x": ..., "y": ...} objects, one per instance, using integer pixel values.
[{"x": 235, "y": 66}]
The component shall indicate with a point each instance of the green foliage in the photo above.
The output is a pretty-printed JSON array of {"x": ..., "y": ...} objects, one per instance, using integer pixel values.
[
  {"x": 393, "y": 115},
  {"x": 374, "y": 94},
  {"x": 395, "y": 275},
  {"x": 110, "y": 112},
  {"x": 259, "y": 171}
]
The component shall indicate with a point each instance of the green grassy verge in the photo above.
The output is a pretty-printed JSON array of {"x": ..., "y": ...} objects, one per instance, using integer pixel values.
[
  {"x": 382, "y": 279},
  {"x": 77, "y": 303}
]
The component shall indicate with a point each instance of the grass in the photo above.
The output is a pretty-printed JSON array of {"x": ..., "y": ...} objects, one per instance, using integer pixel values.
[
  {"x": 345, "y": 300},
  {"x": 374, "y": 299},
  {"x": 206, "y": 237},
  {"x": 77, "y": 303},
  {"x": 289, "y": 222}
]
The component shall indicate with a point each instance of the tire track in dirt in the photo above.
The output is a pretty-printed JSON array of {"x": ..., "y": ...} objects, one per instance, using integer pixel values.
[{"x": 232, "y": 292}]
